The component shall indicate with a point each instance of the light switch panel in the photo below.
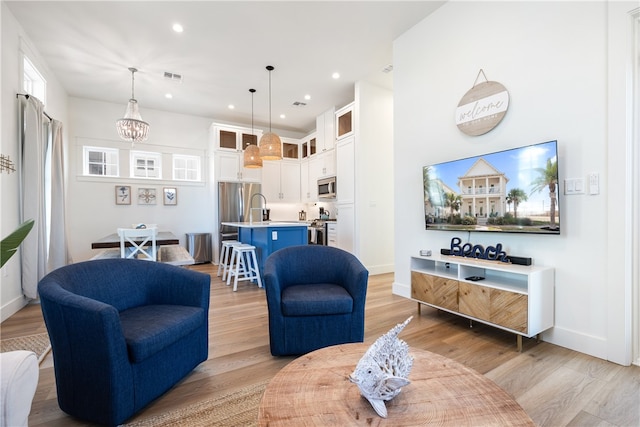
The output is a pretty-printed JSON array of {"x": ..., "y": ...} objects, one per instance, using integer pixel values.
[
  {"x": 574, "y": 186},
  {"x": 594, "y": 183}
]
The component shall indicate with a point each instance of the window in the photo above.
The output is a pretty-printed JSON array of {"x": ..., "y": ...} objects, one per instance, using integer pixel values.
[
  {"x": 186, "y": 168},
  {"x": 146, "y": 165},
  {"x": 32, "y": 81},
  {"x": 100, "y": 161}
]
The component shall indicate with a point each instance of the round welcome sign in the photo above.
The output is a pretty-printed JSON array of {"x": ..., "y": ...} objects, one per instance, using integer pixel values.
[{"x": 482, "y": 108}]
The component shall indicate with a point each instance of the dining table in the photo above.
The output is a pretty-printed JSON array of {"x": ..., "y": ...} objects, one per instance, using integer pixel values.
[{"x": 113, "y": 240}]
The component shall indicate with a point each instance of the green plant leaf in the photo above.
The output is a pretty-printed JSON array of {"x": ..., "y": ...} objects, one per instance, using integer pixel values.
[{"x": 9, "y": 245}]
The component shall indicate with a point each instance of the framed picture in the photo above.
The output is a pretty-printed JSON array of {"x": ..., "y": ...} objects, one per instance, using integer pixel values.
[
  {"x": 146, "y": 196},
  {"x": 170, "y": 196},
  {"x": 123, "y": 195}
]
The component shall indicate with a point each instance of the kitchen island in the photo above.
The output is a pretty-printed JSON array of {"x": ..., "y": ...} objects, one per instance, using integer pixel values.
[{"x": 269, "y": 236}]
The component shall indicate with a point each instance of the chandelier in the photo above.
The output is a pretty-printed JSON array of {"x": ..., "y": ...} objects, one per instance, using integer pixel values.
[
  {"x": 252, "y": 157},
  {"x": 131, "y": 127},
  {"x": 270, "y": 144}
]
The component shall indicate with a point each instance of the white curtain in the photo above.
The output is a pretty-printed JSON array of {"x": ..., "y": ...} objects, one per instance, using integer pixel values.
[
  {"x": 58, "y": 253},
  {"x": 34, "y": 130}
]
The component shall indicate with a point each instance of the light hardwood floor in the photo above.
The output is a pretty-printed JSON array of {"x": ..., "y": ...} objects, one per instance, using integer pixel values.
[{"x": 555, "y": 386}]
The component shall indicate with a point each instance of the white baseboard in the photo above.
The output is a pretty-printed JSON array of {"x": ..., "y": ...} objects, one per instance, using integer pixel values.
[
  {"x": 380, "y": 269},
  {"x": 12, "y": 307},
  {"x": 578, "y": 341},
  {"x": 401, "y": 289}
]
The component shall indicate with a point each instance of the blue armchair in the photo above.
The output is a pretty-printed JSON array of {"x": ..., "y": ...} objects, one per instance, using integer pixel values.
[
  {"x": 122, "y": 333},
  {"x": 315, "y": 297}
]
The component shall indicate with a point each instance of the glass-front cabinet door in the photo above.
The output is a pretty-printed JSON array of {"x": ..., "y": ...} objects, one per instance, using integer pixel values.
[{"x": 227, "y": 139}]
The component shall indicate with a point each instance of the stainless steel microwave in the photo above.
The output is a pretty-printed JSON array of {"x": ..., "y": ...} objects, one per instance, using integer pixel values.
[{"x": 327, "y": 188}]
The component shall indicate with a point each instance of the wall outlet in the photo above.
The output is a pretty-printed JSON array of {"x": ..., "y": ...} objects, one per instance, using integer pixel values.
[{"x": 274, "y": 235}]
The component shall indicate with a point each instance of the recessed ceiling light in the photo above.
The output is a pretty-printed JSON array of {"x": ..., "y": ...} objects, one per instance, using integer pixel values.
[
  {"x": 282, "y": 116},
  {"x": 231, "y": 106},
  {"x": 168, "y": 96},
  {"x": 177, "y": 28},
  {"x": 335, "y": 75},
  {"x": 307, "y": 97}
]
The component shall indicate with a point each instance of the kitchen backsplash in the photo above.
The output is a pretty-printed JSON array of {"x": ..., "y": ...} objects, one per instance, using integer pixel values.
[{"x": 290, "y": 211}]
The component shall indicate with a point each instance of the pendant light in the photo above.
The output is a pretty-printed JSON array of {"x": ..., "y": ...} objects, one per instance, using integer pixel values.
[
  {"x": 131, "y": 127},
  {"x": 270, "y": 144},
  {"x": 252, "y": 157}
]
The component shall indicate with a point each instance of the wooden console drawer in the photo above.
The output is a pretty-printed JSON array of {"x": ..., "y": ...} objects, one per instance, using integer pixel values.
[
  {"x": 504, "y": 308},
  {"x": 475, "y": 300},
  {"x": 435, "y": 290},
  {"x": 510, "y": 310}
]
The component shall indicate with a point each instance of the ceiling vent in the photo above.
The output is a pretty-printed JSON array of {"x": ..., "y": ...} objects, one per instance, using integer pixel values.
[
  {"x": 299, "y": 104},
  {"x": 173, "y": 77}
]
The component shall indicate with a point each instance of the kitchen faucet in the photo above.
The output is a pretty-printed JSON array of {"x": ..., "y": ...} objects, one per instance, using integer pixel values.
[{"x": 251, "y": 208}]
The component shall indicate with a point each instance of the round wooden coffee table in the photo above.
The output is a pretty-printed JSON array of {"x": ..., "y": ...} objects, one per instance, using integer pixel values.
[{"x": 314, "y": 390}]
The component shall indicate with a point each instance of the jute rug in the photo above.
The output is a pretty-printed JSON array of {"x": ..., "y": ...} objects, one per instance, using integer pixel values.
[
  {"x": 38, "y": 343},
  {"x": 237, "y": 409}
]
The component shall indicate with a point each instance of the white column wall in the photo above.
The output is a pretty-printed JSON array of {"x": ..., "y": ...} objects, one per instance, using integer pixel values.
[{"x": 374, "y": 177}]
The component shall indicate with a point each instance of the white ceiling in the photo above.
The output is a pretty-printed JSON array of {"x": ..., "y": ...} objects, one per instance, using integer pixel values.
[{"x": 222, "y": 52}]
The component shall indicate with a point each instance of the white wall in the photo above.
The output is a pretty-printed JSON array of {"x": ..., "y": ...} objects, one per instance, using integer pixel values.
[
  {"x": 552, "y": 58},
  {"x": 374, "y": 177},
  {"x": 14, "y": 44}
]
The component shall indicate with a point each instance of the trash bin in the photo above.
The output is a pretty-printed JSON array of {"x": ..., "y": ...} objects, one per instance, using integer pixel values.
[{"x": 199, "y": 247}]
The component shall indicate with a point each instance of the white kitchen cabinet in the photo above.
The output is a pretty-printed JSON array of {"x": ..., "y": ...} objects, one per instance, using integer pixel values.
[
  {"x": 345, "y": 170},
  {"x": 324, "y": 164},
  {"x": 305, "y": 183},
  {"x": 229, "y": 157},
  {"x": 281, "y": 181},
  {"x": 332, "y": 234},
  {"x": 308, "y": 146},
  {"x": 230, "y": 167},
  {"x": 325, "y": 135},
  {"x": 290, "y": 148},
  {"x": 319, "y": 166},
  {"x": 346, "y": 212},
  {"x": 234, "y": 138},
  {"x": 345, "y": 226},
  {"x": 344, "y": 122}
]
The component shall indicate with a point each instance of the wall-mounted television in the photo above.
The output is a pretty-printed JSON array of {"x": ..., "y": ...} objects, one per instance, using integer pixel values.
[{"x": 511, "y": 191}]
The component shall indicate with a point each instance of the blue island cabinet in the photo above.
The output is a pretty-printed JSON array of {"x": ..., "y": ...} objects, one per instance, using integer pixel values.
[{"x": 268, "y": 239}]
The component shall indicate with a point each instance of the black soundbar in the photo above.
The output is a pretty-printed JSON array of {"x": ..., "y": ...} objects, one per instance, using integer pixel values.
[{"x": 517, "y": 260}]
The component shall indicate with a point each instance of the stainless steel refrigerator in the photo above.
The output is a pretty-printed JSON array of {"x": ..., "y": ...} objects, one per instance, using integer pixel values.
[{"x": 234, "y": 200}]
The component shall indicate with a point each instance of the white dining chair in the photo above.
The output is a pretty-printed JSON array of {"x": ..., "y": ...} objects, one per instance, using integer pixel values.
[{"x": 139, "y": 239}]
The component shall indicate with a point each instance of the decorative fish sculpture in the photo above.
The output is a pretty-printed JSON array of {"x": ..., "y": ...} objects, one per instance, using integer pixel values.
[{"x": 383, "y": 370}]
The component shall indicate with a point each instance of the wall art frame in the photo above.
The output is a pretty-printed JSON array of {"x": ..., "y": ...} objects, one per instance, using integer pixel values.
[
  {"x": 123, "y": 194},
  {"x": 147, "y": 196},
  {"x": 170, "y": 196}
]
